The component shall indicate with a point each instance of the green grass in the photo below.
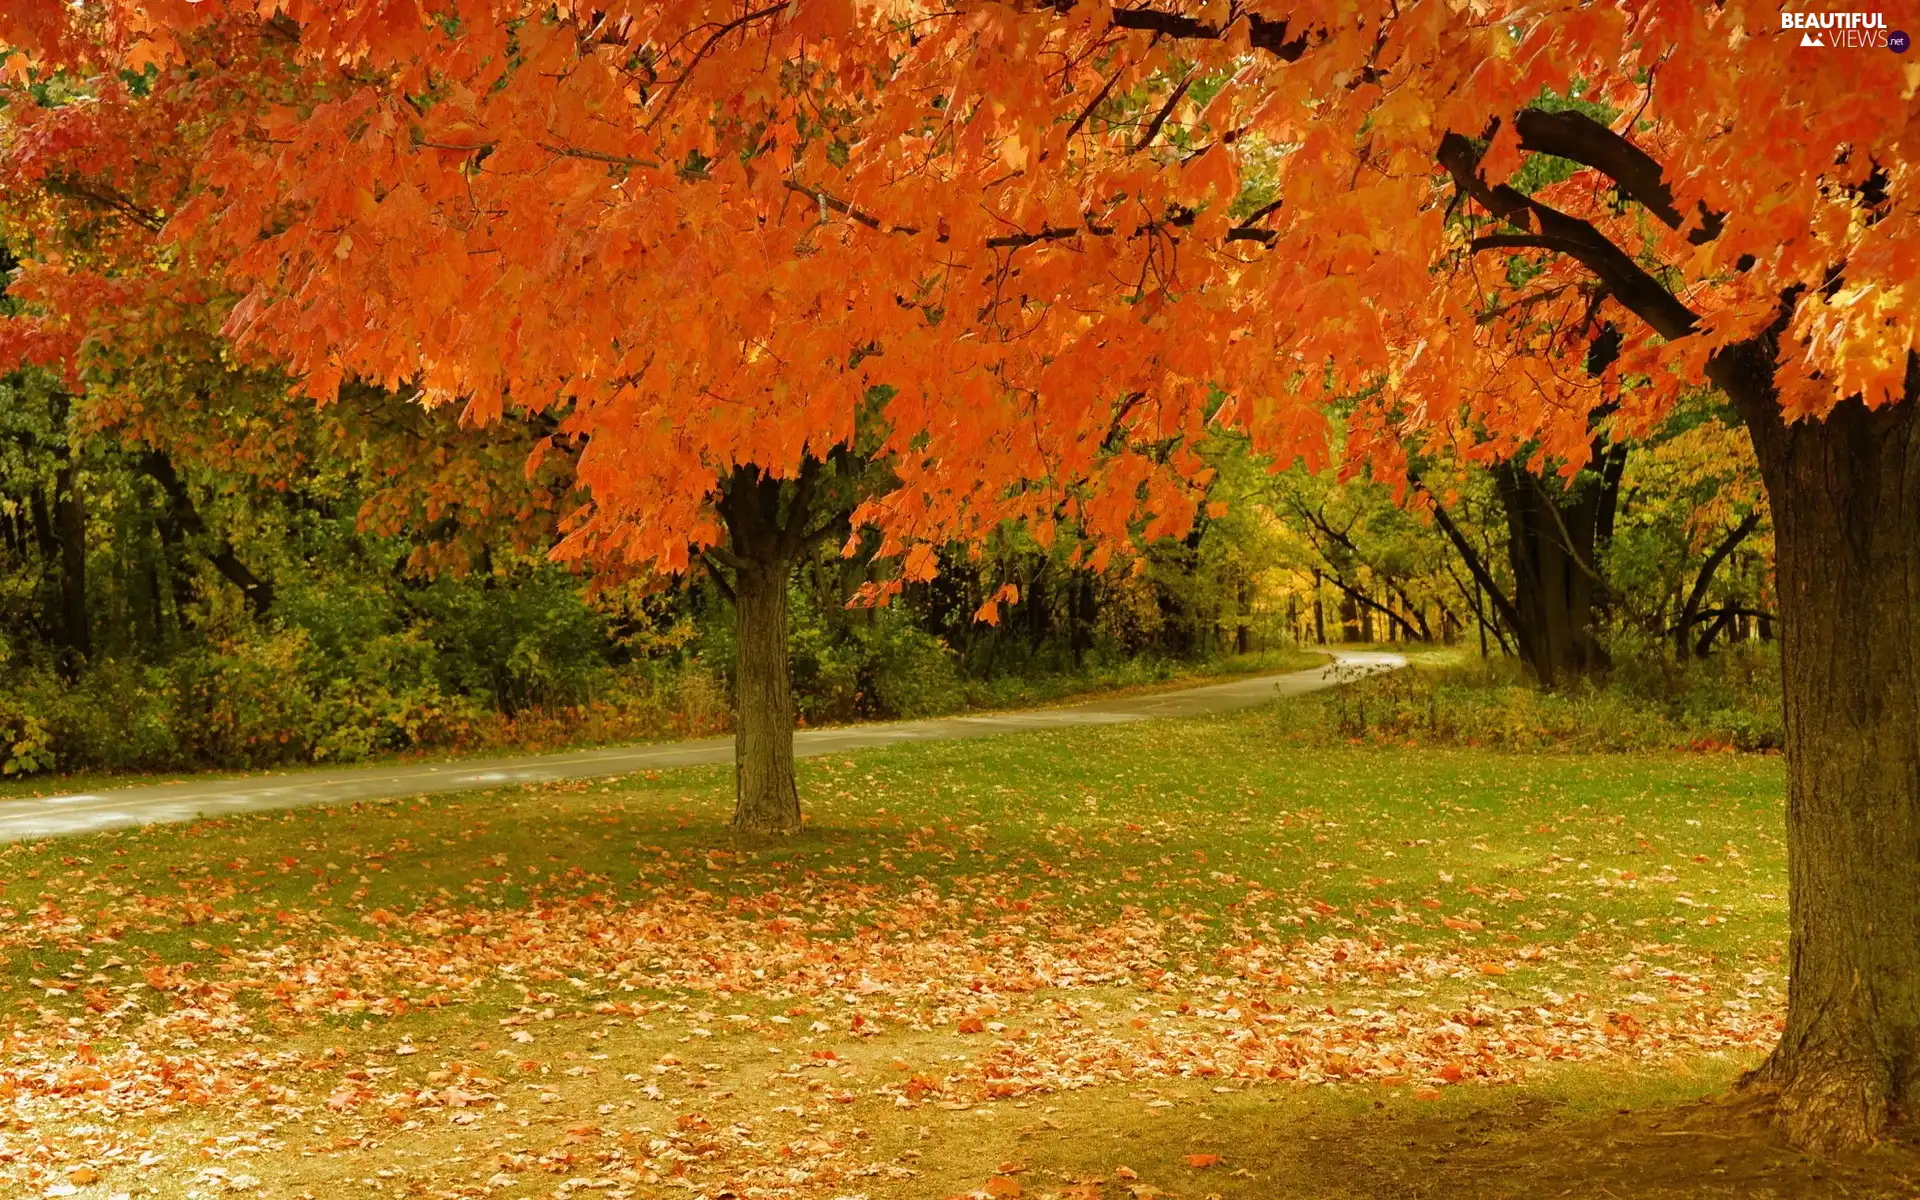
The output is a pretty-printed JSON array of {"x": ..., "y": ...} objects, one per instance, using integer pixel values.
[{"x": 1193, "y": 912}]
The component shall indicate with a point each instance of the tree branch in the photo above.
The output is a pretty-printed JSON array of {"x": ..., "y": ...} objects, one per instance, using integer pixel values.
[
  {"x": 1690, "y": 612},
  {"x": 1263, "y": 33},
  {"x": 257, "y": 592},
  {"x": 1554, "y": 230},
  {"x": 673, "y": 89},
  {"x": 793, "y": 532},
  {"x": 1160, "y": 118},
  {"x": 1502, "y": 606},
  {"x": 1577, "y": 136},
  {"x": 711, "y": 561}
]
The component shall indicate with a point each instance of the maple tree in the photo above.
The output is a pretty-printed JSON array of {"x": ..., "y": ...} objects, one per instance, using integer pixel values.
[{"x": 1059, "y": 239}]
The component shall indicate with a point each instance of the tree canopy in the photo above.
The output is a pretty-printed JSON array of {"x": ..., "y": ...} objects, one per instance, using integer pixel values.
[{"x": 1038, "y": 248}]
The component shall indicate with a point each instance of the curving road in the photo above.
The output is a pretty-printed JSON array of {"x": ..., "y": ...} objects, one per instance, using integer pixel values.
[{"x": 118, "y": 808}]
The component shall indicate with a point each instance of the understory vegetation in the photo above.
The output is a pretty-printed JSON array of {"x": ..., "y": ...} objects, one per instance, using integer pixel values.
[
  {"x": 355, "y": 660},
  {"x": 1646, "y": 702}
]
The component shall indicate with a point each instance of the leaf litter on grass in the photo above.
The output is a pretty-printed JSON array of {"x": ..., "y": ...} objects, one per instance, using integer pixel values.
[{"x": 786, "y": 1006}]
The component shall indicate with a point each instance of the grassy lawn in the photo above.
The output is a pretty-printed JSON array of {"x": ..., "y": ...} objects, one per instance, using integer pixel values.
[{"x": 1184, "y": 958}]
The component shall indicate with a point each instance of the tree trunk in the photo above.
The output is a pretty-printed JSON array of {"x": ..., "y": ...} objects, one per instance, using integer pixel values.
[
  {"x": 1482, "y": 622},
  {"x": 181, "y": 511},
  {"x": 1552, "y": 535},
  {"x": 766, "y": 799},
  {"x": 1845, "y": 497},
  {"x": 766, "y": 535},
  {"x": 70, "y": 528}
]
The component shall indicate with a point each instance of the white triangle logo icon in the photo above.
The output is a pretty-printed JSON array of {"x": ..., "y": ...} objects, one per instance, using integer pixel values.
[{"x": 1812, "y": 39}]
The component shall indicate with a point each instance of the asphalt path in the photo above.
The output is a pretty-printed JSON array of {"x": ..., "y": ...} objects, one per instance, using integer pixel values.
[{"x": 190, "y": 799}]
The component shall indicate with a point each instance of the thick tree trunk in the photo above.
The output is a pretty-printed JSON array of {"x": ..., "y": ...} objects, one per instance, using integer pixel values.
[
  {"x": 766, "y": 535},
  {"x": 1845, "y": 496},
  {"x": 766, "y": 799}
]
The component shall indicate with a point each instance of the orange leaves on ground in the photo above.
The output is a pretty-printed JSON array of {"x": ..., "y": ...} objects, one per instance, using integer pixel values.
[{"x": 1203, "y": 1161}]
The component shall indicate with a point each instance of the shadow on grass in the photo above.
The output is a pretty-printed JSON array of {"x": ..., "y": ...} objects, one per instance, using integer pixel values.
[{"x": 1561, "y": 1139}]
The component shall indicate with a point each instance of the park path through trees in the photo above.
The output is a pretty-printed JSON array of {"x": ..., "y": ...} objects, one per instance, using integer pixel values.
[{"x": 119, "y": 808}]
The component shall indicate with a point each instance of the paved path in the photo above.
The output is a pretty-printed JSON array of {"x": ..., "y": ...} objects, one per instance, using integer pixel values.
[{"x": 186, "y": 800}]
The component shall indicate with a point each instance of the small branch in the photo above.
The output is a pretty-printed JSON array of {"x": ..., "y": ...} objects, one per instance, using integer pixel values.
[
  {"x": 1087, "y": 112},
  {"x": 829, "y": 201},
  {"x": 666, "y": 101},
  {"x": 712, "y": 563},
  {"x": 619, "y": 160},
  {"x": 1160, "y": 118}
]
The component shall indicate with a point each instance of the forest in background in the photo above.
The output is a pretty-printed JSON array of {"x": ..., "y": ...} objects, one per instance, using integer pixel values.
[{"x": 202, "y": 569}]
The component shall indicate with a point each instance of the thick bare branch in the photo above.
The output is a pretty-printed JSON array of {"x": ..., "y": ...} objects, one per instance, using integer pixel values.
[
  {"x": 1550, "y": 229},
  {"x": 1576, "y": 136}
]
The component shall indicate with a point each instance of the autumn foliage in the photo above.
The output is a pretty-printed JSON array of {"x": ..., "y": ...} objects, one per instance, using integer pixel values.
[{"x": 1035, "y": 250}]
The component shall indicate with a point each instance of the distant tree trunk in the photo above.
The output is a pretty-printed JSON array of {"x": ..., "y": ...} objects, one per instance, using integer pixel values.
[
  {"x": 1243, "y": 624},
  {"x": 70, "y": 528},
  {"x": 1083, "y": 608},
  {"x": 1478, "y": 611},
  {"x": 184, "y": 516},
  {"x": 1319, "y": 613},
  {"x": 173, "y": 552},
  {"x": 1553, "y": 534},
  {"x": 1845, "y": 497}
]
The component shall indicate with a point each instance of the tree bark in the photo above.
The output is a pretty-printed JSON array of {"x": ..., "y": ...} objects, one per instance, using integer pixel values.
[
  {"x": 766, "y": 535},
  {"x": 1845, "y": 497},
  {"x": 1553, "y": 534},
  {"x": 70, "y": 528},
  {"x": 766, "y": 799}
]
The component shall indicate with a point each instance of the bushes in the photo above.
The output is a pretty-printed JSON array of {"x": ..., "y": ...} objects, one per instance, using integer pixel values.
[
  {"x": 865, "y": 665},
  {"x": 1729, "y": 702},
  {"x": 521, "y": 659}
]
